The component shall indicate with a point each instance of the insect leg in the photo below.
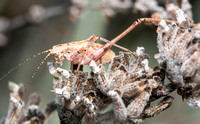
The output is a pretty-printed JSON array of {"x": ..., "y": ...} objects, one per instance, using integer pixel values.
[
  {"x": 100, "y": 52},
  {"x": 139, "y": 21},
  {"x": 107, "y": 41},
  {"x": 93, "y": 39}
]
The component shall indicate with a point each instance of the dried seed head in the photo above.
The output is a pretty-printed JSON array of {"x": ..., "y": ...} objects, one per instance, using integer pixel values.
[
  {"x": 128, "y": 79},
  {"x": 177, "y": 49},
  {"x": 179, "y": 55}
]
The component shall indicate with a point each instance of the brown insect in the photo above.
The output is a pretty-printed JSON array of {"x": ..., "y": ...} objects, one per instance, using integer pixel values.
[{"x": 83, "y": 52}]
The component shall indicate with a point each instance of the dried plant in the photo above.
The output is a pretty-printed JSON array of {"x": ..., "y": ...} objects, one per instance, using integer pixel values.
[
  {"x": 129, "y": 83},
  {"x": 171, "y": 7},
  {"x": 179, "y": 54},
  {"x": 21, "y": 113}
]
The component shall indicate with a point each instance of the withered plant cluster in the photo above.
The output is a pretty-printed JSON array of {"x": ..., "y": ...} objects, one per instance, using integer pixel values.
[
  {"x": 29, "y": 113},
  {"x": 129, "y": 84}
]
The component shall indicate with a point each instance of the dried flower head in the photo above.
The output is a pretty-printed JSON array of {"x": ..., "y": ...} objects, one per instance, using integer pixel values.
[
  {"x": 179, "y": 53},
  {"x": 132, "y": 85},
  {"x": 171, "y": 8},
  {"x": 129, "y": 83},
  {"x": 179, "y": 50},
  {"x": 29, "y": 113}
]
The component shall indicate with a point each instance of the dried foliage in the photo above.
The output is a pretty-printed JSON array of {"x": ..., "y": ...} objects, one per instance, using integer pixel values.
[
  {"x": 171, "y": 7},
  {"x": 179, "y": 55},
  {"x": 129, "y": 83},
  {"x": 21, "y": 113}
]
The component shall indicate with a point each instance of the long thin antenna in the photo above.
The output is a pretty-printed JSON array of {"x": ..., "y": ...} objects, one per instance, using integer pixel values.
[
  {"x": 26, "y": 60},
  {"x": 28, "y": 84},
  {"x": 37, "y": 69}
]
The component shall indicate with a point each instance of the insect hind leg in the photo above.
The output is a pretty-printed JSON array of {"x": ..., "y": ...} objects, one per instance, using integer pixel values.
[
  {"x": 118, "y": 46},
  {"x": 94, "y": 38}
]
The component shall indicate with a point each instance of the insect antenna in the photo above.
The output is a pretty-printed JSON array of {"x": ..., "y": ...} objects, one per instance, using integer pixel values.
[
  {"x": 28, "y": 84},
  {"x": 37, "y": 69},
  {"x": 26, "y": 60}
]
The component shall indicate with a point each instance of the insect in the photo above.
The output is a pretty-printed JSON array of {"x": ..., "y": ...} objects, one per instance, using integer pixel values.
[{"x": 83, "y": 52}]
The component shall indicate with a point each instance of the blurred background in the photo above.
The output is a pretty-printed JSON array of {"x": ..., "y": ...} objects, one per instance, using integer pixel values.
[{"x": 28, "y": 27}]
